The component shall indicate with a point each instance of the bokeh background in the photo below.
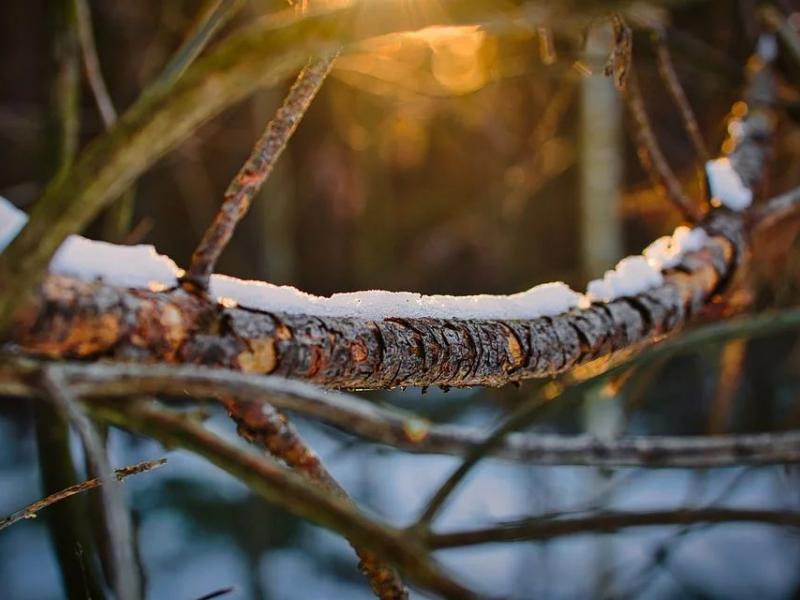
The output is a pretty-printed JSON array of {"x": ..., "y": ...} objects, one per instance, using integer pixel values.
[{"x": 447, "y": 161}]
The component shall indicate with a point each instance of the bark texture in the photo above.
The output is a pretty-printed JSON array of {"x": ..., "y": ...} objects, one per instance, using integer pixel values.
[{"x": 90, "y": 320}]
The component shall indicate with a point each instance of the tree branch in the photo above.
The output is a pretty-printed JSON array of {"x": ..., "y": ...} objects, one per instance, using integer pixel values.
[
  {"x": 648, "y": 150},
  {"x": 79, "y": 319},
  {"x": 29, "y": 512},
  {"x": 608, "y": 522},
  {"x": 118, "y": 524},
  {"x": 261, "y": 424},
  {"x": 411, "y": 434},
  {"x": 253, "y": 174},
  {"x": 284, "y": 488}
]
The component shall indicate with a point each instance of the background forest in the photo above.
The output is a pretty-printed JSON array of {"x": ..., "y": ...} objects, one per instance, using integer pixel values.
[{"x": 452, "y": 161}]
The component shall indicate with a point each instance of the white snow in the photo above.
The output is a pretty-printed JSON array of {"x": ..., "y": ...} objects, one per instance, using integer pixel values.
[
  {"x": 142, "y": 267},
  {"x": 726, "y": 185},
  {"x": 543, "y": 300},
  {"x": 631, "y": 276},
  {"x": 12, "y": 220},
  {"x": 667, "y": 251},
  {"x": 636, "y": 274},
  {"x": 126, "y": 266}
]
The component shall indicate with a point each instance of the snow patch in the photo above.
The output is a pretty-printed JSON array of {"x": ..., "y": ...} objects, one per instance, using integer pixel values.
[
  {"x": 636, "y": 274},
  {"x": 543, "y": 300},
  {"x": 631, "y": 276},
  {"x": 125, "y": 266},
  {"x": 12, "y": 220},
  {"x": 726, "y": 185},
  {"x": 667, "y": 251},
  {"x": 142, "y": 267}
]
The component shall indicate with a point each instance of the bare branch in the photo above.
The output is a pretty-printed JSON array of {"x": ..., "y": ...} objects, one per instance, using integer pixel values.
[
  {"x": 68, "y": 322},
  {"x": 411, "y": 434},
  {"x": 608, "y": 522},
  {"x": 288, "y": 490},
  {"x": 254, "y": 173},
  {"x": 776, "y": 210},
  {"x": 118, "y": 524},
  {"x": 91, "y": 64},
  {"x": 264, "y": 426},
  {"x": 647, "y": 148},
  {"x": 675, "y": 89},
  {"x": 650, "y": 156},
  {"x": 212, "y": 16},
  {"x": 29, "y": 512}
]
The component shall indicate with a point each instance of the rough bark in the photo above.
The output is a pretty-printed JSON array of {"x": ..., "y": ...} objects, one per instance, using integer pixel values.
[{"x": 90, "y": 320}]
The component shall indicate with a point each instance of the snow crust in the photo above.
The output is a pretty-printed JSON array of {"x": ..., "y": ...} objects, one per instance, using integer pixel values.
[
  {"x": 726, "y": 185},
  {"x": 142, "y": 267}
]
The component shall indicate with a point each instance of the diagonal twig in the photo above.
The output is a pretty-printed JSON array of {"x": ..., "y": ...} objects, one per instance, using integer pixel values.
[
  {"x": 29, "y": 512},
  {"x": 667, "y": 71},
  {"x": 259, "y": 165},
  {"x": 91, "y": 64},
  {"x": 264, "y": 426},
  {"x": 647, "y": 148},
  {"x": 118, "y": 523}
]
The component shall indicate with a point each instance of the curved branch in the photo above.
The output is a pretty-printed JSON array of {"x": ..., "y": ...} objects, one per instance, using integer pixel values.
[{"x": 89, "y": 320}]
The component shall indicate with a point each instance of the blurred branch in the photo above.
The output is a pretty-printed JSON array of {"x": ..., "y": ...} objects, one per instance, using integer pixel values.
[
  {"x": 650, "y": 155},
  {"x": 776, "y": 210},
  {"x": 68, "y": 524},
  {"x": 118, "y": 524},
  {"x": 606, "y": 522},
  {"x": 288, "y": 490},
  {"x": 29, "y": 512},
  {"x": 261, "y": 424},
  {"x": 785, "y": 29},
  {"x": 211, "y": 18},
  {"x": 349, "y": 413},
  {"x": 117, "y": 219},
  {"x": 63, "y": 116},
  {"x": 675, "y": 89},
  {"x": 91, "y": 64},
  {"x": 254, "y": 173}
]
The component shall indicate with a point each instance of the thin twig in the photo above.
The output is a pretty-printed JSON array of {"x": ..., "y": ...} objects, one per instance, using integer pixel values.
[
  {"x": 607, "y": 522},
  {"x": 647, "y": 147},
  {"x": 117, "y": 220},
  {"x": 118, "y": 523},
  {"x": 29, "y": 512},
  {"x": 284, "y": 488},
  {"x": 211, "y": 17},
  {"x": 675, "y": 89},
  {"x": 264, "y": 426},
  {"x": 650, "y": 155},
  {"x": 776, "y": 209},
  {"x": 91, "y": 64},
  {"x": 259, "y": 165}
]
